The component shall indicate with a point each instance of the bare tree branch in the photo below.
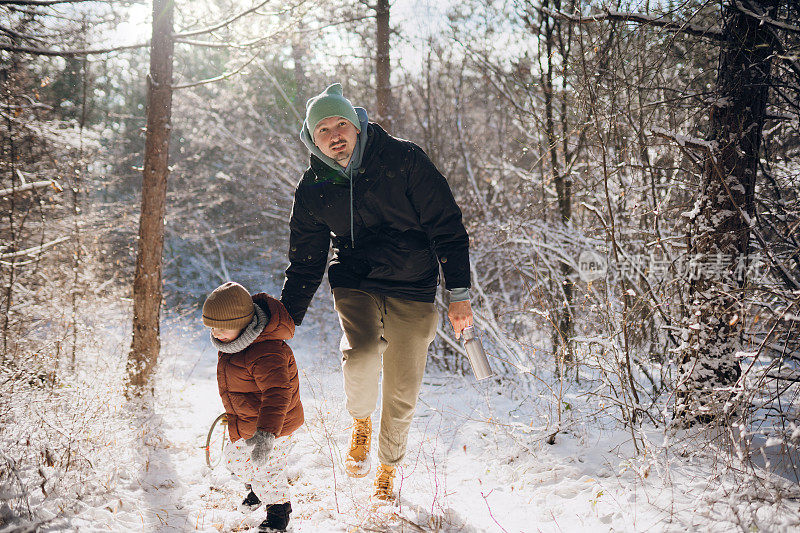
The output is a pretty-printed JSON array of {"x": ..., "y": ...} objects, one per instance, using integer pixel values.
[
  {"x": 638, "y": 18},
  {"x": 223, "y": 76},
  {"x": 222, "y": 24},
  {"x": 69, "y": 53},
  {"x": 756, "y": 13},
  {"x": 42, "y": 2},
  {"x": 17, "y": 35},
  {"x": 210, "y": 44},
  {"x": 278, "y": 87}
]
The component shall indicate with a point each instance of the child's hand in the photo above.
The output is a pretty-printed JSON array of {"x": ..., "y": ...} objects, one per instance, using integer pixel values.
[{"x": 262, "y": 443}]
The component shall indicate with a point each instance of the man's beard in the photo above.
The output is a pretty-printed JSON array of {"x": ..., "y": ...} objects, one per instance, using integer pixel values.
[{"x": 339, "y": 156}]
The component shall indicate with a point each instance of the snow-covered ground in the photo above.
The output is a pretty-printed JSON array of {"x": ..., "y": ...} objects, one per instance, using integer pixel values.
[{"x": 478, "y": 460}]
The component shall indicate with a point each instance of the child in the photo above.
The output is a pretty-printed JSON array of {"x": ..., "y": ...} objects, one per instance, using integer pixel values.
[{"x": 259, "y": 386}]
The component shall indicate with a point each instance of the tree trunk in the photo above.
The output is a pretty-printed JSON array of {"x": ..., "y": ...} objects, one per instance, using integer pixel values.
[
  {"x": 146, "y": 343},
  {"x": 718, "y": 249},
  {"x": 382, "y": 65},
  {"x": 563, "y": 339},
  {"x": 8, "y": 159}
]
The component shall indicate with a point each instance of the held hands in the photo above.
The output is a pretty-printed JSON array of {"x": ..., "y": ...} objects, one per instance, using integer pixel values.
[
  {"x": 460, "y": 314},
  {"x": 262, "y": 443}
]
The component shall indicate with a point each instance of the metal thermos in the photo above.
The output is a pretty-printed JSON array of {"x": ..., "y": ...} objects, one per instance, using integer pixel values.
[{"x": 477, "y": 357}]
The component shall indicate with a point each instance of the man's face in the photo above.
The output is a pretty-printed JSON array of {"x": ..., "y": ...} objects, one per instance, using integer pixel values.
[
  {"x": 336, "y": 137},
  {"x": 225, "y": 335}
]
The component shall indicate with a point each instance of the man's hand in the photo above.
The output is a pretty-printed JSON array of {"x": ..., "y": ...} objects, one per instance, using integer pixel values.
[
  {"x": 460, "y": 314},
  {"x": 262, "y": 443}
]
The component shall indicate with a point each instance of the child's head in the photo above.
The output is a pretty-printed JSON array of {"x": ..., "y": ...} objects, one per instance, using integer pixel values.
[{"x": 227, "y": 311}]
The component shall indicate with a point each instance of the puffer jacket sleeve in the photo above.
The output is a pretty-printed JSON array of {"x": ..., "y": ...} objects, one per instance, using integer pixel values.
[
  {"x": 439, "y": 214},
  {"x": 309, "y": 242},
  {"x": 271, "y": 373}
]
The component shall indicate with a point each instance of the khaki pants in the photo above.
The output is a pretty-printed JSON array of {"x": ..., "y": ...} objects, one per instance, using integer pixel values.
[{"x": 399, "y": 332}]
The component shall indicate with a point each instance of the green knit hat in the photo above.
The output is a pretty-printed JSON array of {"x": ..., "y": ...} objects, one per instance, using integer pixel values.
[{"x": 329, "y": 103}]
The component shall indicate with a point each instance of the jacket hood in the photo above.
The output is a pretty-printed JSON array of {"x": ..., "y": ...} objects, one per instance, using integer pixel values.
[
  {"x": 355, "y": 161},
  {"x": 280, "y": 325}
]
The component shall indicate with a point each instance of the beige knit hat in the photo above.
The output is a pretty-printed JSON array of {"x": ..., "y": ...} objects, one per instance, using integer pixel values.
[{"x": 229, "y": 306}]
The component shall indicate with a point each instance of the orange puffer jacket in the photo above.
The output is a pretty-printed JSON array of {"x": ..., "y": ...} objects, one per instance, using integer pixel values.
[{"x": 259, "y": 386}]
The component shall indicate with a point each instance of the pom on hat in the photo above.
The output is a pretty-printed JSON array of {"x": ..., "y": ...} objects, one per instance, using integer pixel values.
[
  {"x": 330, "y": 103},
  {"x": 229, "y": 306}
]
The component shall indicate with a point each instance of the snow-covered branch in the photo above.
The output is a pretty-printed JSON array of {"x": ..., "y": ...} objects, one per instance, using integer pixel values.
[
  {"x": 34, "y": 251},
  {"x": 685, "y": 140},
  {"x": 29, "y": 187}
]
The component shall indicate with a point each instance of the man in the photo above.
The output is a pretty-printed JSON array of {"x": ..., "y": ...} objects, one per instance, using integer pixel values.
[{"x": 392, "y": 220}]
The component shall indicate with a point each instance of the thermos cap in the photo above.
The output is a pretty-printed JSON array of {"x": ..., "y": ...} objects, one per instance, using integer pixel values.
[{"x": 468, "y": 333}]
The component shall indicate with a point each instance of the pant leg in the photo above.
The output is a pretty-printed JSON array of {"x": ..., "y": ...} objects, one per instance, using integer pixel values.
[
  {"x": 236, "y": 458},
  {"x": 362, "y": 345},
  {"x": 269, "y": 481},
  {"x": 409, "y": 329}
]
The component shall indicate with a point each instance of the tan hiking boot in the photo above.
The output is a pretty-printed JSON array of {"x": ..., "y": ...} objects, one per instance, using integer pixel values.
[
  {"x": 384, "y": 483},
  {"x": 357, "y": 463}
]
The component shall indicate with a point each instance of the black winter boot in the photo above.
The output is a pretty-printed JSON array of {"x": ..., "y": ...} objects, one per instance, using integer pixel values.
[
  {"x": 250, "y": 503},
  {"x": 277, "y": 518}
]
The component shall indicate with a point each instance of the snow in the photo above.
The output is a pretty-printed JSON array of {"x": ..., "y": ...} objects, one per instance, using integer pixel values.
[{"x": 478, "y": 458}]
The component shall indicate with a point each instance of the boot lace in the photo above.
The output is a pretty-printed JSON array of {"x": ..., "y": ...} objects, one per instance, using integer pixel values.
[
  {"x": 361, "y": 432},
  {"x": 383, "y": 483}
]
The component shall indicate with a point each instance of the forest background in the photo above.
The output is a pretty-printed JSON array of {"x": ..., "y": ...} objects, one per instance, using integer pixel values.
[{"x": 628, "y": 174}]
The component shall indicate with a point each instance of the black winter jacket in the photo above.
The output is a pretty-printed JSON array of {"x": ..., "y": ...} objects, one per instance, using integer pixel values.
[{"x": 404, "y": 219}]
